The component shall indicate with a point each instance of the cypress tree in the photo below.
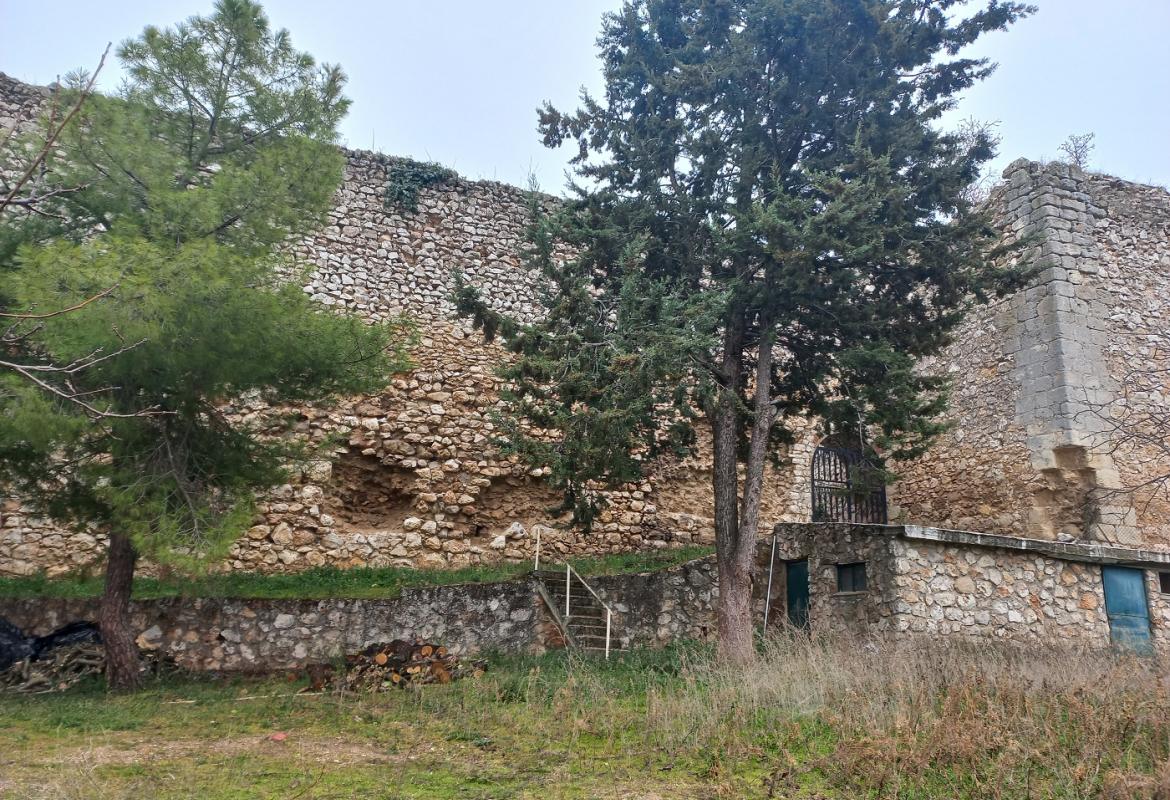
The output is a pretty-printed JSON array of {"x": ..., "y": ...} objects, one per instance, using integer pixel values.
[{"x": 767, "y": 223}]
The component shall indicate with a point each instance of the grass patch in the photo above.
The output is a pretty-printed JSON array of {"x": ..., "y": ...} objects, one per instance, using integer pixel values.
[
  {"x": 328, "y": 582},
  {"x": 823, "y": 719}
]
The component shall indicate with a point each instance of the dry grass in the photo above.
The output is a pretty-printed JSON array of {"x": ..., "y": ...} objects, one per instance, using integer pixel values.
[
  {"x": 827, "y": 718},
  {"x": 977, "y": 720}
]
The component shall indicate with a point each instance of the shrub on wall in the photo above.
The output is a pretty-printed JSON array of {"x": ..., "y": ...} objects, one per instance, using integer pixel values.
[{"x": 406, "y": 178}]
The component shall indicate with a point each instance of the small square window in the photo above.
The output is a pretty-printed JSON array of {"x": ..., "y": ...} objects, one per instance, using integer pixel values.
[
  {"x": 851, "y": 577},
  {"x": 1164, "y": 582}
]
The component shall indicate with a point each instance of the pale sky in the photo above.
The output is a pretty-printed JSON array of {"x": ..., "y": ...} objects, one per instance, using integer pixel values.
[{"x": 458, "y": 81}]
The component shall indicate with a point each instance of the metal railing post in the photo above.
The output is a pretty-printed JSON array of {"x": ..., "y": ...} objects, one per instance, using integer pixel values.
[
  {"x": 568, "y": 588},
  {"x": 768, "y": 596},
  {"x": 608, "y": 615}
]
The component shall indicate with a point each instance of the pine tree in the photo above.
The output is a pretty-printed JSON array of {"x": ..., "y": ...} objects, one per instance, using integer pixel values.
[
  {"x": 768, "y": 224},
  {"x": 177, "y": 201}
]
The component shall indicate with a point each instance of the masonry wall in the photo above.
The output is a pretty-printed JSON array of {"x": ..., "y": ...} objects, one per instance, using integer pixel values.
[
  {"x": 1043, "y": 380},
  {"x": 264, "y": 635},
  {"x": 654, "y": 609},
  {"x": 1134, "y": 425},
  {"x": 1159, "y": 611},
  {"x": 916, "y": 588},
  {"x": 999, "y": 594},
  {"x": 417, "y": 480},
  {"x": 650, "y": 610},
  {"x": 824, "y": 546},
  {"x": 1060, "y": 391},
  {"x": 923, "y": 587}
]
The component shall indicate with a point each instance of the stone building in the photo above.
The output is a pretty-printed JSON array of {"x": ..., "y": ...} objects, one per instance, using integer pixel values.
[
  {"x": 904, "y": 581},
  {"x": 1057, "y": 455},
  {"x": 1060, "y": 391},
  {"x": 1053, "y": 409}
]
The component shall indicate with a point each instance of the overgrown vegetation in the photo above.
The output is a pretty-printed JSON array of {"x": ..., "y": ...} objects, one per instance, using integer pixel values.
[
  {"x": 324, "y": 582},
  {"x": 407, "y": 177},
  {"x": 1077, "y": 148},
  {"x": 822, "y": 719}
]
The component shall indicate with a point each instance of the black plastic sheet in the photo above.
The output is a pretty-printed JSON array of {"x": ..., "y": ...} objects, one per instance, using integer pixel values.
[{"x": 16, "y": 647}]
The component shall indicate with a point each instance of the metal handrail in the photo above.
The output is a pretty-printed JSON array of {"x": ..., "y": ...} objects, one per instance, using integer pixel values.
[
  {"x": 556, "y": 615},
  {"x": 569, "y": 573}
]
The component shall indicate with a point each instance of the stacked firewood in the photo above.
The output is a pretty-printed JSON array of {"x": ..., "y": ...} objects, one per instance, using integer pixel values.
[
  {"x": 399, "y": 664},
  {"x": 56, "y": 670},
  {"x": 62, "y": 667}
]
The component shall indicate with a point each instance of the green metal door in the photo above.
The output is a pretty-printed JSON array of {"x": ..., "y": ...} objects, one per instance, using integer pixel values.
[
  {"x": 1125, "y": 606},
  {"x": 797, "y": 594}
]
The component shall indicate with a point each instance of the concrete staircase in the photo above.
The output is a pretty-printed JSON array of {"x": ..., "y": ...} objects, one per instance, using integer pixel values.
[{"x": 584, "y": 627}]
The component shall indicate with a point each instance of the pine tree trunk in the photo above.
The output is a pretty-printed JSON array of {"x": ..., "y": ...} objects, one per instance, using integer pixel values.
[{"x": 122, "y": 666}]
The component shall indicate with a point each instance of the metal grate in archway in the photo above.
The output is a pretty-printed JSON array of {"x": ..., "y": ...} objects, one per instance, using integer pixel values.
[{"x": 846, "y": 487}]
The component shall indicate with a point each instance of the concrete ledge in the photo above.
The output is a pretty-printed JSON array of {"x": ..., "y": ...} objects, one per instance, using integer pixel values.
[{"x": 1086, "y": 552}]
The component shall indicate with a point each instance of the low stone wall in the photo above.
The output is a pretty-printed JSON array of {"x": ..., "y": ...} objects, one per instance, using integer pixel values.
[
  {"x": 919, "y": 582},
  {"x": 651, "y": 610},
  {"x": 262, "y": 635}
]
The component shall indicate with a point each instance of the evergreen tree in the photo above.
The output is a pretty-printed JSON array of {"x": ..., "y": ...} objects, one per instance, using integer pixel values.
[
  {"x": 174, "y": 204},
  {"x": 769, "y": 224}
]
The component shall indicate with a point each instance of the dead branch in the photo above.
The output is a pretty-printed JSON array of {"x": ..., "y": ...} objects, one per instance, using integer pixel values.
[
  {"x": 82, "y": 304},
  {"x": 54, "y": 131}
]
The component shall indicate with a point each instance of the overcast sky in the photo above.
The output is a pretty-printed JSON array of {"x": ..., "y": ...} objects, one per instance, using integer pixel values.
[{"x": 458, "y": 81}]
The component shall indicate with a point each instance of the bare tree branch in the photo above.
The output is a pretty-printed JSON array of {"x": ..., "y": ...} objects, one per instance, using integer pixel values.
[
  {"x": 55, "y": 129},
  {"x": 51, "y": 378}
]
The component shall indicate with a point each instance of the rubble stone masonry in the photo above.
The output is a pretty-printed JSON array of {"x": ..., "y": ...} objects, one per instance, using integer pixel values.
[
  {"x": 958, "y": 585},
  {"x": 412, "y": 475},
  {"x": 1047, "y": 383}
]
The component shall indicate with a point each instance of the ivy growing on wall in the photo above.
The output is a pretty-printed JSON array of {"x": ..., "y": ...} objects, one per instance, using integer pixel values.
[{"x": 406, "y": 178}]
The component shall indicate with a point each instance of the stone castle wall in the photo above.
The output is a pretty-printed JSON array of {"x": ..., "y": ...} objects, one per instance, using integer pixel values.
[
  {"x": 417, "y": 479},
  {"x": 1059, "y": 389},
  {"x": 412, "y": 476}
]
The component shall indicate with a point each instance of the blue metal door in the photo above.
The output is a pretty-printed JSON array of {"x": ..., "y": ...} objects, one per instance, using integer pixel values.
[
  {"x": 797, "y": 593},
  {"x": 1125, "y": 606}
]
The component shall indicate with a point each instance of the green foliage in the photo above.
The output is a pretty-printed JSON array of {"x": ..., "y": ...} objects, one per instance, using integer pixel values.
[
  {"x": 406, "y": 178},
  {"x": 326, "y": 582},
  {"x": 175, "y": 201},
  {"x": 761, "y": 176}
]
